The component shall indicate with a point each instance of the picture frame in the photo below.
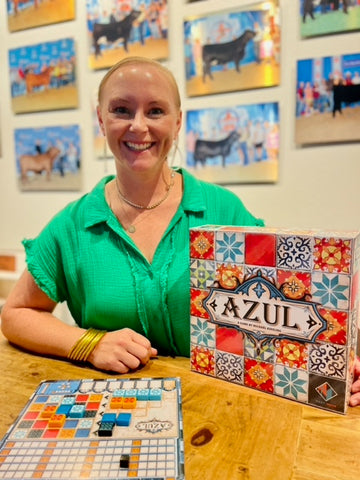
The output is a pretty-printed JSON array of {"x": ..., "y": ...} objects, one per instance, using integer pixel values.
[
  {"x": 136, "y": 27},
  {"x": 233, "y": 145},
  {"x": 324, "y": 17},
  {"x": 328, "y": 100},
  {"x": 233, "y": 50},
  {"x": 25, "y": 14},
  {"x": 43, "y": 76},
  {"x": 48, "y": 158}
]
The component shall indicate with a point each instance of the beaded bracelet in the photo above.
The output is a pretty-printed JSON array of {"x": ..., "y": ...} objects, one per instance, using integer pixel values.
[{"x": 82, "y": 349}]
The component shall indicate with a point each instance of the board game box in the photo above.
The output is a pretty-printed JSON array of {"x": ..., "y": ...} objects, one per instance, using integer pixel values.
[
  {"x": 276, "y": 310},
  {"x": 99, "y": 429}
]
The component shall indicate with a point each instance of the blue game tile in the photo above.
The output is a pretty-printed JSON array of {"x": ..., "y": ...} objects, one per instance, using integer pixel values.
[
  {"x": 41, "y": 399},
  {"x": 118, "y": 393},
  {"x": 106, "y": 429},
  {"x": 123, "y": 419},
  {"x": 155, "y": 394},
  {"x": 70, "y": 400},
  {"x": 63, "y": 410},
  {"x": 71, "y": 423},
  {"x": 130, "y": 393},
  {"x": 82, "y": 433},
  {"x": 109, "y": 417},
  {"x": 143, "y": 394},
  {"x": 77, "y": 411}
]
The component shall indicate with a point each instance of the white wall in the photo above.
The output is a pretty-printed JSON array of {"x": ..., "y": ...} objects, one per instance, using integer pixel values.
[{"x": 317, "y": 187}]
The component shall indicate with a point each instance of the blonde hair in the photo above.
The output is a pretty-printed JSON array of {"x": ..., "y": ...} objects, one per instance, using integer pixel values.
[{"x": 134, "y": 60}]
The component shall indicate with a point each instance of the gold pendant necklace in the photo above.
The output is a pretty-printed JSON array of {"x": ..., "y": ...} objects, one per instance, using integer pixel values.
[{"x": 147, "y": 207}]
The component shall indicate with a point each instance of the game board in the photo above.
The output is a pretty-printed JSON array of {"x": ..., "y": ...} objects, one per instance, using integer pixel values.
[{"x": 100, "y": 429}]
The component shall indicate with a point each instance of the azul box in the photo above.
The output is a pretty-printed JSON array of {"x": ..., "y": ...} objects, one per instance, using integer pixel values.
[{"x": 276, "y": 310}]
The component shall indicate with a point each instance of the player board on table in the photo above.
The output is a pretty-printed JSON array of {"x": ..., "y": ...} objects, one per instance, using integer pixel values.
[{"x": 100, "y": 429}]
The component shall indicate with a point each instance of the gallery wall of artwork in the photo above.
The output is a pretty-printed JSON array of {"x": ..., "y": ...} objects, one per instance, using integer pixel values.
[{"x": 270, "y": 97}]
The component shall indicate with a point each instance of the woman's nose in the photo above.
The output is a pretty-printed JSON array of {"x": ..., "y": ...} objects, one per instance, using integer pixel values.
[{"x": 138, "y": 123}]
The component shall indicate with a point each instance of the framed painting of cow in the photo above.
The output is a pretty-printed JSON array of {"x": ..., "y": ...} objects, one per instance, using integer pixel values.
[
  {"x": 130, "y": 27},
  {"x": 234, "y": 145},
  {"x": 328, "y": 100},
  {"x": 322, "y": 17},
  {"x": 48, "y": 158},
  {"x": 24, "y": 14},
  {"x": 43, "y": 77},
  {"x": 233, "y": 50}
]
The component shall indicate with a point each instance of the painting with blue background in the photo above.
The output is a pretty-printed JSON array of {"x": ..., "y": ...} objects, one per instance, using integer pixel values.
[
  {"x": 219, "y": 28},
  {"x": 27, "y": 140},
  {"x": 216, "y": 124}
]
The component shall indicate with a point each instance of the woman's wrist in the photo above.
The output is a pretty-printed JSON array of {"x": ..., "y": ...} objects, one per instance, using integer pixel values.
[{"x": 85, "y": 345}]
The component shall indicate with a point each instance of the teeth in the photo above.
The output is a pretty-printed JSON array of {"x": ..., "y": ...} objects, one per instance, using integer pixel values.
[{"x": 138, "y": 146}]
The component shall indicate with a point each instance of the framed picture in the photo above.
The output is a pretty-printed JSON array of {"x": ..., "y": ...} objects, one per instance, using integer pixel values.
[
  {"x": 43, "y": 77},
  {"x": 322, "y": 17},
  {"x": 130, "y": 27},
  {"x": 48, "y": 158},
  {"x": 234, "y": 145},
  {"x": 328, "y": 100},
  {"x": 23, "y": 14},
  {"x": 233, "y": 50}
]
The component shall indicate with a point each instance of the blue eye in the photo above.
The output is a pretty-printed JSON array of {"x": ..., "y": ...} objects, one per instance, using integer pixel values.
[
  {"x": 156, "y": 111},
  {"x": 121, "y": 110}
]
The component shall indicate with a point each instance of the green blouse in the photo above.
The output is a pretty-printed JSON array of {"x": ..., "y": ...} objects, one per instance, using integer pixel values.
[{"x": 85, "y": 257}]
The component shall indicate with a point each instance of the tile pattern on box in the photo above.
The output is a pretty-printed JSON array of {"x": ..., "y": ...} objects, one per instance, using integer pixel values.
[
  {"x": 115, "y": 428},
  {"x": 276, "y": 310}
]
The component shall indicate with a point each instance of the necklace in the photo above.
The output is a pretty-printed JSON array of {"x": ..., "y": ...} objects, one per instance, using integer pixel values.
[{"x": 147, "y": 207}]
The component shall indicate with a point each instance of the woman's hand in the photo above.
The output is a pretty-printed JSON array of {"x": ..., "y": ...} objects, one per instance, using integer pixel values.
[
  {"x": 355, "y": 389},
  {"x": 121, "y": 351}
]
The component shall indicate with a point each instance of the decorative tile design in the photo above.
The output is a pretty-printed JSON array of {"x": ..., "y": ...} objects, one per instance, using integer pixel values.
[
  {"x": 260, "y": 249},
  {"x": 260, "y": 352},
  {"x": 336, "y": 326},
  {"x": 197, "y": 309},
  {"x": 252, "y": 271},
  {"x": 292, "y": 354},
  {"x": 293, "y": 284},
  {"x": 276, "y": 310},
  {"x": 202, "y": 273},
  {"x": 328, "y": 359},
  {"x": 229, "y": 367},
  {"x": 202, "y": 245},
  {"x": 294, "y": 253},
  {"x": 331, "y": 290},
  {"x": 202, "y": 332},
  {"x": 291, "y": 383},
  {"x": 332, "y": 255},
  {"x": 229, "y": 276},
  {"x": 229, "y": 247},
  {"x": 259, "y": 375},
  {"x": 203, "y": 360},
  {"x": 229, "y": 340}
]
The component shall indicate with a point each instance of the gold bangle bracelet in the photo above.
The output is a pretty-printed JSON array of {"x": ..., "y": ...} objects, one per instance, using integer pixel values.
[{"x": 82, "y": 349}]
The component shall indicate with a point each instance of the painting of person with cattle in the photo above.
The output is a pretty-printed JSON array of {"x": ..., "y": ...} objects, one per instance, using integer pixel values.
[
  {"x": 43, "y": 77},
  {"x": 119, "y": 28},
  {"x": 234, "y": 145},
  {"x": 322, "y": 17},
  {"x": 48, "y": 158},
  {"x": 233, "y": 51},
  {"x": 328, "y": 100},
  {"x": 23, "y": 14}
]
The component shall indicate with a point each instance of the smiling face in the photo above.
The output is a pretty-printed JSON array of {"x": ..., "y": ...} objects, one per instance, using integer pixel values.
[{"x": 139, "y": 113}]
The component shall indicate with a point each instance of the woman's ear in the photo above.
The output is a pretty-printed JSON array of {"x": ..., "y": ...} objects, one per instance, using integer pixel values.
[{"x": 101, "y": 123}]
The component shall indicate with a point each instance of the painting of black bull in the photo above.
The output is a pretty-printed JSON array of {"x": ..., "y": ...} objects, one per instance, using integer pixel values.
[
  {"x": 114, "y": 31},
  {"x": 221, "y": 53},
  {"x": 214, "y": 148},
  {"x": 345, "y": 94}
]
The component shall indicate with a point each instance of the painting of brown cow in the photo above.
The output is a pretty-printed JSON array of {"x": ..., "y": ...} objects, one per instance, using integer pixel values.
[
  {"x": 34, "y": 80},
  {"x": 42, "y": 162}
]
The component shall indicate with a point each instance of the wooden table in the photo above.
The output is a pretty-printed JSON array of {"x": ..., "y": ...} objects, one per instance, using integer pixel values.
[{"x": 230, "y": 432}]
